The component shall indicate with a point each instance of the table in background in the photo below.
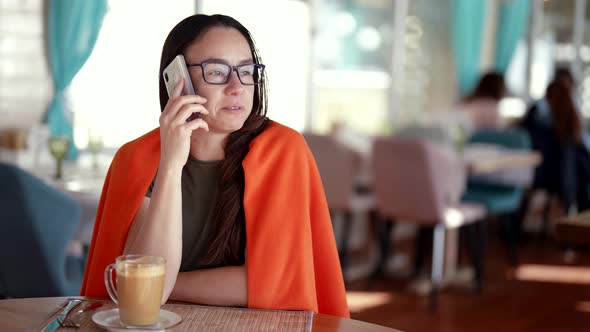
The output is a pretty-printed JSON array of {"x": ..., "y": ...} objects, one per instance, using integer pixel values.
[
  {"x": 29, "y": 314},
  {"x": 489, "y": 158}
]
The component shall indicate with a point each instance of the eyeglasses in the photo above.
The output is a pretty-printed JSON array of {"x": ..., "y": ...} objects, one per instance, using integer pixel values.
[{"x": 220, "y": 73}]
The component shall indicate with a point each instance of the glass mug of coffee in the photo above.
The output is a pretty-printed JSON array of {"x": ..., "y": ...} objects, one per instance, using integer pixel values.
[{"x": 140, "y": 283}]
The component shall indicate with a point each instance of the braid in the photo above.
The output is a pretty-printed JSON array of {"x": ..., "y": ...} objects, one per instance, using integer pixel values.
[{"x": 229, "y": 227}]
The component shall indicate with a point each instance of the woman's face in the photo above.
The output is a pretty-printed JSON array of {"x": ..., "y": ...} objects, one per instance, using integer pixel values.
[{"x": 229, "y": 105}]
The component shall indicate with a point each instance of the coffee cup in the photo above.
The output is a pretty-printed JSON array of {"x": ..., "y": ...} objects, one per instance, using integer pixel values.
[{"x": 139, "y": 288}]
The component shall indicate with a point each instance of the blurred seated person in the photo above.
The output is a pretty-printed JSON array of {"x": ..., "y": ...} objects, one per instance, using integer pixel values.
[
  {"x": 538, "y": 114},
  {"x": 481, "y": 107},
  {"x": 557, "y": 131}
]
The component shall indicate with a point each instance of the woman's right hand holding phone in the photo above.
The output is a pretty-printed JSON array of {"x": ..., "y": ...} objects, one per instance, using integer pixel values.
[{"x": 175, "y": 131}]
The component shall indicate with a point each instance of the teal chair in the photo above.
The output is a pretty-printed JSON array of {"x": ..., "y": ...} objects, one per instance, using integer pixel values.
[
  {"x": 37, "y": 222},
  {"x": 500, "y": 199}
]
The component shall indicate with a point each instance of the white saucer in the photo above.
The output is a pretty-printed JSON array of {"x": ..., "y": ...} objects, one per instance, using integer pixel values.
[{"x": 109, "y": 319}]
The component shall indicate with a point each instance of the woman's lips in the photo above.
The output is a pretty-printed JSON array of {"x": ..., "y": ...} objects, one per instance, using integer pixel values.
[{"x": 235, "y": 108}]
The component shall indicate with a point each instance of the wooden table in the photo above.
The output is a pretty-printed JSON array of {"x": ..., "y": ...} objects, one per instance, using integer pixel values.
[{"x": 30, "y": 314}]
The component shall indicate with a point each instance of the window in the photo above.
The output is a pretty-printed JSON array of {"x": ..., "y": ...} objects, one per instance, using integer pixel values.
[
  {"x": 281, "y": 31},
  {"x": 116, "y": 91}
]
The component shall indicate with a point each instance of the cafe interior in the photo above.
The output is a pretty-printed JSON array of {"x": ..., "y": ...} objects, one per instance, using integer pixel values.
[{"x": 452, "y": 138}]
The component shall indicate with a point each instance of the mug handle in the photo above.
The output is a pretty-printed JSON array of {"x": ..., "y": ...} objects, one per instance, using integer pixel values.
[{"x": 109, "y": 284}]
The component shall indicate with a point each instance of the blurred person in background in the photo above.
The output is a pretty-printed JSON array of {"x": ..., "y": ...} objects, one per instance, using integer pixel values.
[
  {"x": 481, "y": 106},
  {"x": 557, "y": 131},
  {"x": 538, "y": 113},
  {"x": 564, "y": 118},
  {"x": 568, "y": 127}
]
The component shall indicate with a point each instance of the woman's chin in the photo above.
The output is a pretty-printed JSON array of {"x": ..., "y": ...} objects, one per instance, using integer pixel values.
[{"x": 227, "y": 128}]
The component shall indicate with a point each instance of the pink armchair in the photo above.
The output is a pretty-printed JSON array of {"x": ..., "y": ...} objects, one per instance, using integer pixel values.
[
  {"x": 339, "y": 168},
  {"x": 421, "y": 182}
]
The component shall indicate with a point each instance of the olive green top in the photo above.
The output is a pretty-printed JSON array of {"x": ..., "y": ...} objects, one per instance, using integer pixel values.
[{"x": 199, "y": 192}]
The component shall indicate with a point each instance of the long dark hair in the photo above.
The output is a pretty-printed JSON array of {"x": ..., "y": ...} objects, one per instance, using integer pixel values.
[
  {"x": 229, "y": 230},
  {"x": 567, "y": 124},
  {"x": 490, "y": 86}
]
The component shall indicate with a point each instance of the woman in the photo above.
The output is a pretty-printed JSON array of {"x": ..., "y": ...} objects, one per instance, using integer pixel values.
[
  {"x": 572, "y": 158},
  {"x": 567, "y": 124},
  {"x": 237, "y": 208},
  {"x": 538, "y": 115}
]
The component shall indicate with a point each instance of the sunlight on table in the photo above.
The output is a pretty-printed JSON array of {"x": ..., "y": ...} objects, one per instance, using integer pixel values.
[{"x": 359, "y": 301}]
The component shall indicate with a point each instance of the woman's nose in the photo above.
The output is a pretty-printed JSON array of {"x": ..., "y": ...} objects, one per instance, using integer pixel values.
[{"x": 234, "y": 86}]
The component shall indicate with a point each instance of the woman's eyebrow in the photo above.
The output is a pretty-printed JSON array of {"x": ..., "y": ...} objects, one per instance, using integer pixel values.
[{"x": 218, "y": 60}]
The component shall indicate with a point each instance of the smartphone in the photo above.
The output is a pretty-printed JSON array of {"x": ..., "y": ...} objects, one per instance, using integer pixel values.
[{"x": 173, "y": 73}]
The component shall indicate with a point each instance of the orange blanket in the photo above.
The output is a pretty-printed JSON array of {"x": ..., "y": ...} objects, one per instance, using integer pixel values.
[{"x": 291, "y": 256}]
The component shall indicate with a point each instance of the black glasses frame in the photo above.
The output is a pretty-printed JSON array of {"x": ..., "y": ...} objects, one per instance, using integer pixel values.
[{"x": 231, "y": 70}]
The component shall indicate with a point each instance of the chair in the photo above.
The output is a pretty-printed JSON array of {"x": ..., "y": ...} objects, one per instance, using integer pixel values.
[
  {"x": 38, "y": 222},
  {"x": 502, "y": 198},
  {"x": 339, "y": 167},
  {"x": 421, "y": 182}
]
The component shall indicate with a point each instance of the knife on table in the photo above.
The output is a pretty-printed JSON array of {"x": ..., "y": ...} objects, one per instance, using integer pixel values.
[{"x": 54, "y": 325}]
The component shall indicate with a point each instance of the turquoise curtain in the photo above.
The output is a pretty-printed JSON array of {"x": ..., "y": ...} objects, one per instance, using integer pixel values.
[
  {"x": 73, "y": 27},
  {"x": 513, "y": 18},
  {"x": 467, "y": 24}
]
